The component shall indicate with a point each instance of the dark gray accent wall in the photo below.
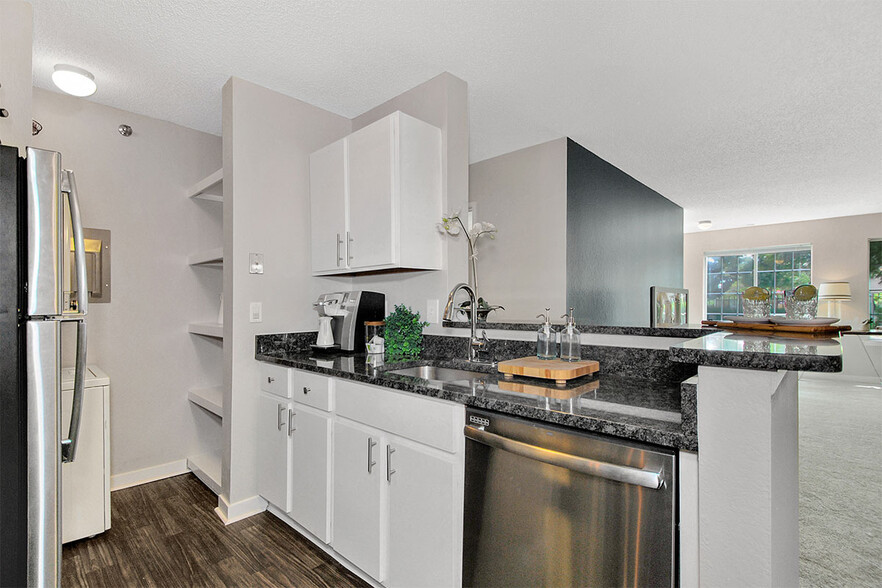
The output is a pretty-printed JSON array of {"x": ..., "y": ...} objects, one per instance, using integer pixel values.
[{"x": 622, "y": 238}]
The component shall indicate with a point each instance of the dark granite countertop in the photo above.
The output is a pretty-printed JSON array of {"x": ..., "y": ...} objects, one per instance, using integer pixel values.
[
  {"x": 873, "y": 332},
  {"x": 685, "y": 332},
  {"x": 761, "y": 352},
  {"x": 623, "y": 406}
]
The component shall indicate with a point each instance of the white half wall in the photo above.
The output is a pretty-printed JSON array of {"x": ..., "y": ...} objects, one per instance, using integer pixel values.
[
  {"x": 135, "y": 186},
  {"x": 523, "y": 193},
  {"x": 840, "y": 253}
]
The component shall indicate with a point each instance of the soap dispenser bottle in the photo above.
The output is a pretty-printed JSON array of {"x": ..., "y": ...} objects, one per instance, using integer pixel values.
[
  {"x": 570, "y": 341},
  {"x": 546, "y": 340}
]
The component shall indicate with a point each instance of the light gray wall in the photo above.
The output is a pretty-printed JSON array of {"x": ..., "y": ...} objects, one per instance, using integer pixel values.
[
  {"x": 16, "y": 50},
  {"x": 267, "y": 141},
  {"x": 135, "y": 186},
  {"x": 443, "y": 102},
  {"x": 523, "y": 193}
]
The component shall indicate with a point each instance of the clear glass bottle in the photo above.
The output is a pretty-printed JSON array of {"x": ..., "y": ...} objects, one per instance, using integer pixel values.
[
  {"x": 570, "y": 339},
  {"x": 546, "y": 339}
]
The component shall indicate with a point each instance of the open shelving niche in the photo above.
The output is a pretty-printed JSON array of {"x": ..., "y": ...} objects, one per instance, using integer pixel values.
[{"x": 207, "y": 466}]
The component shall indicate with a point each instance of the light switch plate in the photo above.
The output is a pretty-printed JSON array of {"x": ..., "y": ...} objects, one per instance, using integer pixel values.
[
  {"x": 255, "y": 314},
  {"x": 432, "y": 310},
  {"x": 255, "y": 263}
]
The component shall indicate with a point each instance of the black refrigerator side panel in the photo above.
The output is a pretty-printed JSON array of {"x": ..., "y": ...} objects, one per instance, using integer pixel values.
[{"x": 13, "y": 385}]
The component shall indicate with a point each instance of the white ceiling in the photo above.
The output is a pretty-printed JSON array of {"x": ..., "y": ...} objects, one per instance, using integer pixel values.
[{"x": 741, "y": 112}]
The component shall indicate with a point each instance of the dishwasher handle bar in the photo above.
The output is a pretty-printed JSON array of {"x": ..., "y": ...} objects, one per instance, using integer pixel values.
[{"x": 590, "y": 467}]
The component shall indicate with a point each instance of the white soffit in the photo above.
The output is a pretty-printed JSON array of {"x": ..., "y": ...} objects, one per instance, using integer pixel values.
[{"x": 741, "y": 112}]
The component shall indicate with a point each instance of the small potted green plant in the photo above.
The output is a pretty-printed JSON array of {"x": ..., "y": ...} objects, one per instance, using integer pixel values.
[{"x": 404, "y": 334}]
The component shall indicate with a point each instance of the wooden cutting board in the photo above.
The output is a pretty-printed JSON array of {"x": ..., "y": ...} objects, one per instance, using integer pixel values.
[
  {"x": 771, "y": 327},
  {"x": 544, "y": 390},
  {"x": 548, "y": 369}
]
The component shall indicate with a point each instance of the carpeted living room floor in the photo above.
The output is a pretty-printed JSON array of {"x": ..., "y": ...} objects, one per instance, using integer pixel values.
[{"x": 840, "y": 483}]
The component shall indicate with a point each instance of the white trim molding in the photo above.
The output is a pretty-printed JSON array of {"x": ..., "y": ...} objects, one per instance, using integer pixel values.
[
  {"x": 231, "y": 513},
  {"x": 151, "y": 474}
]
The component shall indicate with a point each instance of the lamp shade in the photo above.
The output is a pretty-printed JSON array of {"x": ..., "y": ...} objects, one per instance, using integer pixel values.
[{"x": 835, "y": 291}]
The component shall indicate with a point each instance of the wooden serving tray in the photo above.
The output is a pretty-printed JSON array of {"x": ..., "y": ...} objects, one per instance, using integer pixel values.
[
  {"x": 540, "y": 390},
  {"x": 548, "y": 369},
  {"x": 772, "y": 327}
]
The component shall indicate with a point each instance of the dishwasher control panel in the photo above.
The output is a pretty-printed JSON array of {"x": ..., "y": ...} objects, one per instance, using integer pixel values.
[{"x": 480, "y": 421}]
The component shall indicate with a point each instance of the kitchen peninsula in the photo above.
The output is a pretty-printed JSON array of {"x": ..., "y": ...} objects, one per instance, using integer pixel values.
[{"x": 725, "y": 403}]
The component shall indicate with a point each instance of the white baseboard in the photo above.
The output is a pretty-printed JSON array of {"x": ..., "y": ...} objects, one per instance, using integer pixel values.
[
  {"x": 231, "y": 513},
  {"x": 151, "y": 474}
]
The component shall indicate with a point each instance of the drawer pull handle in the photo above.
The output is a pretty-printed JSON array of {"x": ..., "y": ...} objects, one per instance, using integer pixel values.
[
  {"x": 389, "y": 471},
  {"x": 306, "y": 390},
  {"x": 370, "y": 452},
  {"x": 270, "y": 379}
]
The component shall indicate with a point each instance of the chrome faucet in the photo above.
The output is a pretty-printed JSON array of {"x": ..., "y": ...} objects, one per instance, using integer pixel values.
[{"x": 477, "y": 345}]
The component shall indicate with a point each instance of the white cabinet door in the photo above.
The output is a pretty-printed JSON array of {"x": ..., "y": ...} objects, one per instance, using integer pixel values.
[
  {"x": 424, "y": 518},
  {"x": 358, "y": 485},
  {"x": 373, "y": 208},
  {"x": 274, "y": 452},
  {"x": 310, "y": 482},
  {"x": 327, "y": 200}
]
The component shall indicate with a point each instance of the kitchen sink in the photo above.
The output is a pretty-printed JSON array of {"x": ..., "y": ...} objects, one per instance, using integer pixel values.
[{"x": 440, "y": 374}]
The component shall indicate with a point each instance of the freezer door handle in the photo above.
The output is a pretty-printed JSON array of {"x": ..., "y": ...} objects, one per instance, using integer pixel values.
[
  {"x": 69, "y": 445},
  {"x": 590, "y": 467},
  {"x": 69, "y": 187}
]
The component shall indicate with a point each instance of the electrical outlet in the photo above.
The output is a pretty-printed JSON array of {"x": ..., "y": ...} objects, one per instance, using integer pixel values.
[
  {"x": 432, "y": 310},
  {"x": 256, "y": 312}
]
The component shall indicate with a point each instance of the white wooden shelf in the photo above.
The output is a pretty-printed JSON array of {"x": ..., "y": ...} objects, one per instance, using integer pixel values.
[
  {"x": 213, "y": 257},
  {"x": 207, "y": 468},
  {"x": 210, "y": 188},
  {"x": 211, "y": 399},
  {"x": 207, "y": 329}
]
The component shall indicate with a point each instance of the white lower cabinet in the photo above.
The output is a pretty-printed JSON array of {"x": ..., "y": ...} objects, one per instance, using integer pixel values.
[
  {"x": 274, "y": 450},
  {"x": 355, "y": 470},
  {"x": 425, "y": 517},
  {"x": 310, "y": 480},
  {"x": 358, "y": 496}
]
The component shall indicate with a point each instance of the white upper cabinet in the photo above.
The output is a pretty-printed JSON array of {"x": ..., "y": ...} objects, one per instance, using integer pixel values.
[{"x": 375, "y": 197}]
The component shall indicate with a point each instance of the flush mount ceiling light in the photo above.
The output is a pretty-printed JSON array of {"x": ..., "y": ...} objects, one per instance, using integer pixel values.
[
  {"x": 74, "y": 80},
  {"x": 704, "y": 225}
]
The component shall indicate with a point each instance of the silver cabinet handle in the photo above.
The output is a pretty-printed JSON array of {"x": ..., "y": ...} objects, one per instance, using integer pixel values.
[
  {"x": 270, "y": 379},
  {"x": 349, "y": 241},
  {"x": 590, "y": 467},
  {"x": 339, "y": 242},
  {"x": 291, "y": 427},
  {"x": 370, "y": 452},
  {"x": 306, "y": 390},
  {"x": 389, "y": 471},
  {"x": 279, "y": 422}
]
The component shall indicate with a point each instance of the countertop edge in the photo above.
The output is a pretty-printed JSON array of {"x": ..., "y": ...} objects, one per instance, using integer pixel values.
[{"x": 673, "y": 332}]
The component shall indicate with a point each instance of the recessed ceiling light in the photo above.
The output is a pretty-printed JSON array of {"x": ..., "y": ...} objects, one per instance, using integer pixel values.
[
  {"x": 74, "y": 80},
  {"x": 704, "y": 225}
]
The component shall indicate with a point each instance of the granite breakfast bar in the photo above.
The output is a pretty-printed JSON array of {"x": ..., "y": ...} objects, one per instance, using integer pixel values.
[{"x": 726, "y": 402}]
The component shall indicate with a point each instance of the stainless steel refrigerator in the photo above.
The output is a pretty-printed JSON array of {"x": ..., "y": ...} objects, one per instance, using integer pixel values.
[{"x": 42, "y": 291}]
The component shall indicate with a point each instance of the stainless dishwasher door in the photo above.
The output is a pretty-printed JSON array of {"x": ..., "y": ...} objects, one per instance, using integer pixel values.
[{"x": 548, "y": 506}]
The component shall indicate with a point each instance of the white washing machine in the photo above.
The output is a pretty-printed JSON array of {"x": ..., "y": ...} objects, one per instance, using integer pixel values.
[{"x": 85, "y": 483}]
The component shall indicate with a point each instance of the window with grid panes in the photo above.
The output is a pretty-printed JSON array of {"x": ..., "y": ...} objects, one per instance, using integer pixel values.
[
  {"x": 876, "y": 282},
  {"x": 730, "y": 274}
]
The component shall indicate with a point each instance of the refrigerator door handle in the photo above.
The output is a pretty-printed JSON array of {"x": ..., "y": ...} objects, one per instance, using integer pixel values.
[
  {"x": 69, "y": 445},
  {"x": 69, "y": 187}
]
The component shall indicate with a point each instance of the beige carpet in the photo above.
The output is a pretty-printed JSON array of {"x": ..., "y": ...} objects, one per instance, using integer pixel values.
[{"x": 840, "y": 483}]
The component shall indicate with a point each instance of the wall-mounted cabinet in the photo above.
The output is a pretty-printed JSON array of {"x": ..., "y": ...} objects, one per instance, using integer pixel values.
[{"x": 375, "y": 198}]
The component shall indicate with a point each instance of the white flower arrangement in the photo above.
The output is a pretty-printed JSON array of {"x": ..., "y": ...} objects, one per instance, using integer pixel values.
[{"x": 452, "y": 224}]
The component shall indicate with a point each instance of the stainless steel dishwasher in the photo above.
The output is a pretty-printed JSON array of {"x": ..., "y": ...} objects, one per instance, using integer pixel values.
[{"x": 549, "y": 506}]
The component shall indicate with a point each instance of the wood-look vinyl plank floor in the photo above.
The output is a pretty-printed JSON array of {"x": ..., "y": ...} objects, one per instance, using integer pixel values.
[{"x": 166, "y": 533}]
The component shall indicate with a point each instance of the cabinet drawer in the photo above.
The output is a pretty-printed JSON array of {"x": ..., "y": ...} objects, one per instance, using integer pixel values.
[
  {"x": 431, "y": 422},
  {"x": 275, "y": 379},
  {"x": 313, "y": 390}
]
